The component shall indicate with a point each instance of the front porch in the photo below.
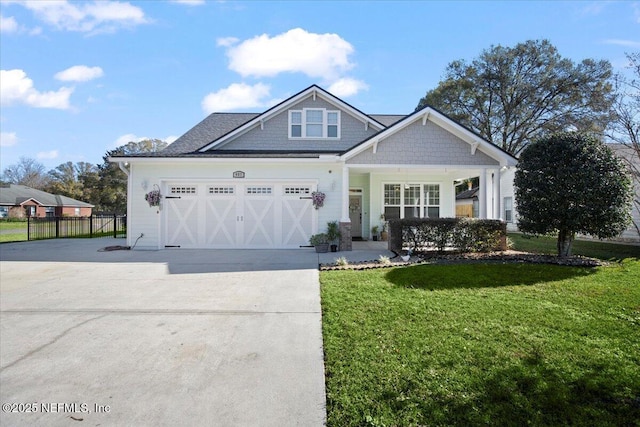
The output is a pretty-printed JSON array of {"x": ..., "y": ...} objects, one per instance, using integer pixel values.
[{"x": 372, "y": 195}]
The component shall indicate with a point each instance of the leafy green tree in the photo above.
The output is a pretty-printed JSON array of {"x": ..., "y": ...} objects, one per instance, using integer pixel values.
[
  {"x": 68, "y": 179},
  {"x": 625, "y": 129},
  {"x": 513, "y": 95},
  {"x": 27, "y": 172},
  {"x": 111, "y": 186},
  {"x": 570, "y": 183}
]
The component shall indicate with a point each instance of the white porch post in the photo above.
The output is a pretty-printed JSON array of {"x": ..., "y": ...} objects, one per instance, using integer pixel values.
[
  {"x": 482, "y": 199},
  {"x": 496, "y": 195},
  {"x": 345, "y": 221},
  {"x": 345, "y": 194}
]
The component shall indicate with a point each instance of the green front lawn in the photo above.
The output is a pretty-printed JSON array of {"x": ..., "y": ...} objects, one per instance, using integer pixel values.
[
  {"x": 589, "y": 248},
  {"x": 13, "y": 231},
  {"x": 483, "y": 344}
]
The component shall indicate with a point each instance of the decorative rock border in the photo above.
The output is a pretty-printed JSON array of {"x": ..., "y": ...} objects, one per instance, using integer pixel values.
[{"x": 467, "y": 258}]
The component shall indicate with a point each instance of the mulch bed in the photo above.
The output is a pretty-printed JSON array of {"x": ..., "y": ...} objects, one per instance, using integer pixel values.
[{"x": 467, "y": 258}]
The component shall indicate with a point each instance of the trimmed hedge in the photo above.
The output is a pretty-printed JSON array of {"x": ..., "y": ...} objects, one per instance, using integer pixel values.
[{"x": 440, "y": 234}]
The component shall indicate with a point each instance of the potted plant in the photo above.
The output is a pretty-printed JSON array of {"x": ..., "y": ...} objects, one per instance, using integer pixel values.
[
  {"x": 320, "y": 241},
  {"x": 384, "y": 235},
  {"x": 333, "y": 234},
  {"x": 374, "y": 233}
]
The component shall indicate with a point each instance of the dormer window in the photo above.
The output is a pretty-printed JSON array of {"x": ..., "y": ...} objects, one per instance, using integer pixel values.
[{"x": 314, "y": 123}]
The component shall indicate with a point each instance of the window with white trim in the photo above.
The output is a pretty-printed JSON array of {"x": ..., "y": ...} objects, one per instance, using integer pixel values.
[
  {"x": 508, "y": 209},
  {"x": 432, "y": 200},
  {"x": 314, "y": 123},
  {"x": 411, "y": 201}
]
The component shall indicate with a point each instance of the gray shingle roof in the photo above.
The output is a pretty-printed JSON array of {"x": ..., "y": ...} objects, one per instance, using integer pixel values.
[
  {"x": 217, "y": 125},
  {"x": 208, "y": 130},
  {"x": 468, "y": 194},
  {"x": 14, "y": 194}
]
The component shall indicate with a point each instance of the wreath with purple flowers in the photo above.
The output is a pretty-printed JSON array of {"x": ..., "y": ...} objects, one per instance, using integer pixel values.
[
  {"x": 153, "y": 198},
  {"x": 317, "y": 197}
]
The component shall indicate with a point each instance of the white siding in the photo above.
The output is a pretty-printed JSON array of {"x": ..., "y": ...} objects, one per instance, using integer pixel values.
[{"x": 148, "y": 220}]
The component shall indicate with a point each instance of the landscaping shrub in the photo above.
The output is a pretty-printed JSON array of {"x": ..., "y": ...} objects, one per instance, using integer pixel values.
[{"x": 440, "y": 234}]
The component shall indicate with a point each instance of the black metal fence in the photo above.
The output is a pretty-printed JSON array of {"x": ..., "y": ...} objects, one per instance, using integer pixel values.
[{"x": 66, "y": 227}]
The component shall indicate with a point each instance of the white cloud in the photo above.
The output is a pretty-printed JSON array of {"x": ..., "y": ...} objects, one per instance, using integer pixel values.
[
  {"x": 95, "y": 17},
  {"x": 170, "y": 139},
  {"x": 190, "y": 2},
  {"x": 17, "y": 88},
  {"x": 8, "y": 139},
  {"x": 128, "y": 137},
  {"x": 227, "y": 41},
  {"x": 625, "y": 43},
  {"x": 347, "y": 86},
  {"x": 53, "y": 154},
  {"x": 8, "y": 25},
  {"x": 317, "y": 55},
  {"x": 236, "y": 96},
  {"x": 79, "y": 73}
]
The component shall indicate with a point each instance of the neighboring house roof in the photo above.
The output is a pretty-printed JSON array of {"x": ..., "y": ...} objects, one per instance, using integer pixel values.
[
  {"x": 468, "y": 194},
  {"x": 16, "y": 195}
]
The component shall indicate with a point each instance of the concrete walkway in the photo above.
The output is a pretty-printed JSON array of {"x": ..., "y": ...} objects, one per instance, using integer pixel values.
[{"x": 159, "y": 338}]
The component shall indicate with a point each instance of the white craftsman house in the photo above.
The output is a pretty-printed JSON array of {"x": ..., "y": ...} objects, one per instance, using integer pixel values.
[{"x": 240, "y": 180}]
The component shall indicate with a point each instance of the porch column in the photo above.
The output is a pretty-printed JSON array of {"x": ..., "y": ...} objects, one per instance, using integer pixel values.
[
  {"x": 482, "y": 195},
  {"x": 496, "y": 195},
  {"x": 345, "y": 221},
  {"x": 345, "y": 194}
]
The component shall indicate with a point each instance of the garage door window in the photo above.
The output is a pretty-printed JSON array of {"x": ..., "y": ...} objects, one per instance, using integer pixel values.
[
  {"x": 259, "y": 190},
  {"x": 221, "y": 190},
  {"x": 297, "y": 190},
  {"x": 182, "y": 190}
]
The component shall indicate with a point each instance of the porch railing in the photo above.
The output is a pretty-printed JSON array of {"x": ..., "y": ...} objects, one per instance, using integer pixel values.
[{"x": 80, "y": 227}]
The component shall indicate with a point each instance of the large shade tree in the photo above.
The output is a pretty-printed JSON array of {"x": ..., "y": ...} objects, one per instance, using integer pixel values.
[
  {"x": 569, "y": 183},
  {"x": 513, "y": 95},
  {"x": 625, "y": 129},
  {"x": 111, "y": 184},
  {"x": 27, "y": 172}
]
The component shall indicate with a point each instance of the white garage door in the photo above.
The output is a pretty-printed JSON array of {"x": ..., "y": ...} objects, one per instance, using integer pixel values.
[{"x": 238, "y": 215}]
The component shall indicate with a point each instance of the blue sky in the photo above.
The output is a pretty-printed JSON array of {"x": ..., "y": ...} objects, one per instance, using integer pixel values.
[{"x": 81, "y": 78}]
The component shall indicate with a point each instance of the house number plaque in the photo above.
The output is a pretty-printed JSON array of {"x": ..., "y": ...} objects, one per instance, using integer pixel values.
[{"x": 238, "y": 174}]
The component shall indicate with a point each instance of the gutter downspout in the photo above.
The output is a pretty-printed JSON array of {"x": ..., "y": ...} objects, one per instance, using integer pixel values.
[{"x": 123, "y": 168}]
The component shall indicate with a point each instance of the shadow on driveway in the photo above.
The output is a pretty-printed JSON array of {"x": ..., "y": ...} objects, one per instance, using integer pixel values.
[{"x": 178, "y": 261}]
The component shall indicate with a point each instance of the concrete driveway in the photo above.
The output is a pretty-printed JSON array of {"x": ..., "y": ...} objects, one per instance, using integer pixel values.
[{"x": 173, "y": 337}]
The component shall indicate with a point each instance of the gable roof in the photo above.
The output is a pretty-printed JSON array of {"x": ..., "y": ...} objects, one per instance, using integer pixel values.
[
  {"x": 208, "y": 130},
  {"x": 474, "y": 140},
  {"x": 313, "y": 90},
  {"x": 16, "y": 195}
]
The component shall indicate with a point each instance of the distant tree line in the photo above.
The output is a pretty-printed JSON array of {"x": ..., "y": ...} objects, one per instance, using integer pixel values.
[{"x": 103, "y": 185}]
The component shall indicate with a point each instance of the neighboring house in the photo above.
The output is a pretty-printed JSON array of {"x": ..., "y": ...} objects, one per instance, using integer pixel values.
[
  {"x": 20, "y": 201},
  {"x": 630, "y": 156},
  {"x": 467, "y": 203},
  {"x": 631, "y": 234},
  {"x": 239, "y": 180}
]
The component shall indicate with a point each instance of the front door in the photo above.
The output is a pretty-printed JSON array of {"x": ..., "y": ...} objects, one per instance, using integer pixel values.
[{"x": 355, "y": 215}]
